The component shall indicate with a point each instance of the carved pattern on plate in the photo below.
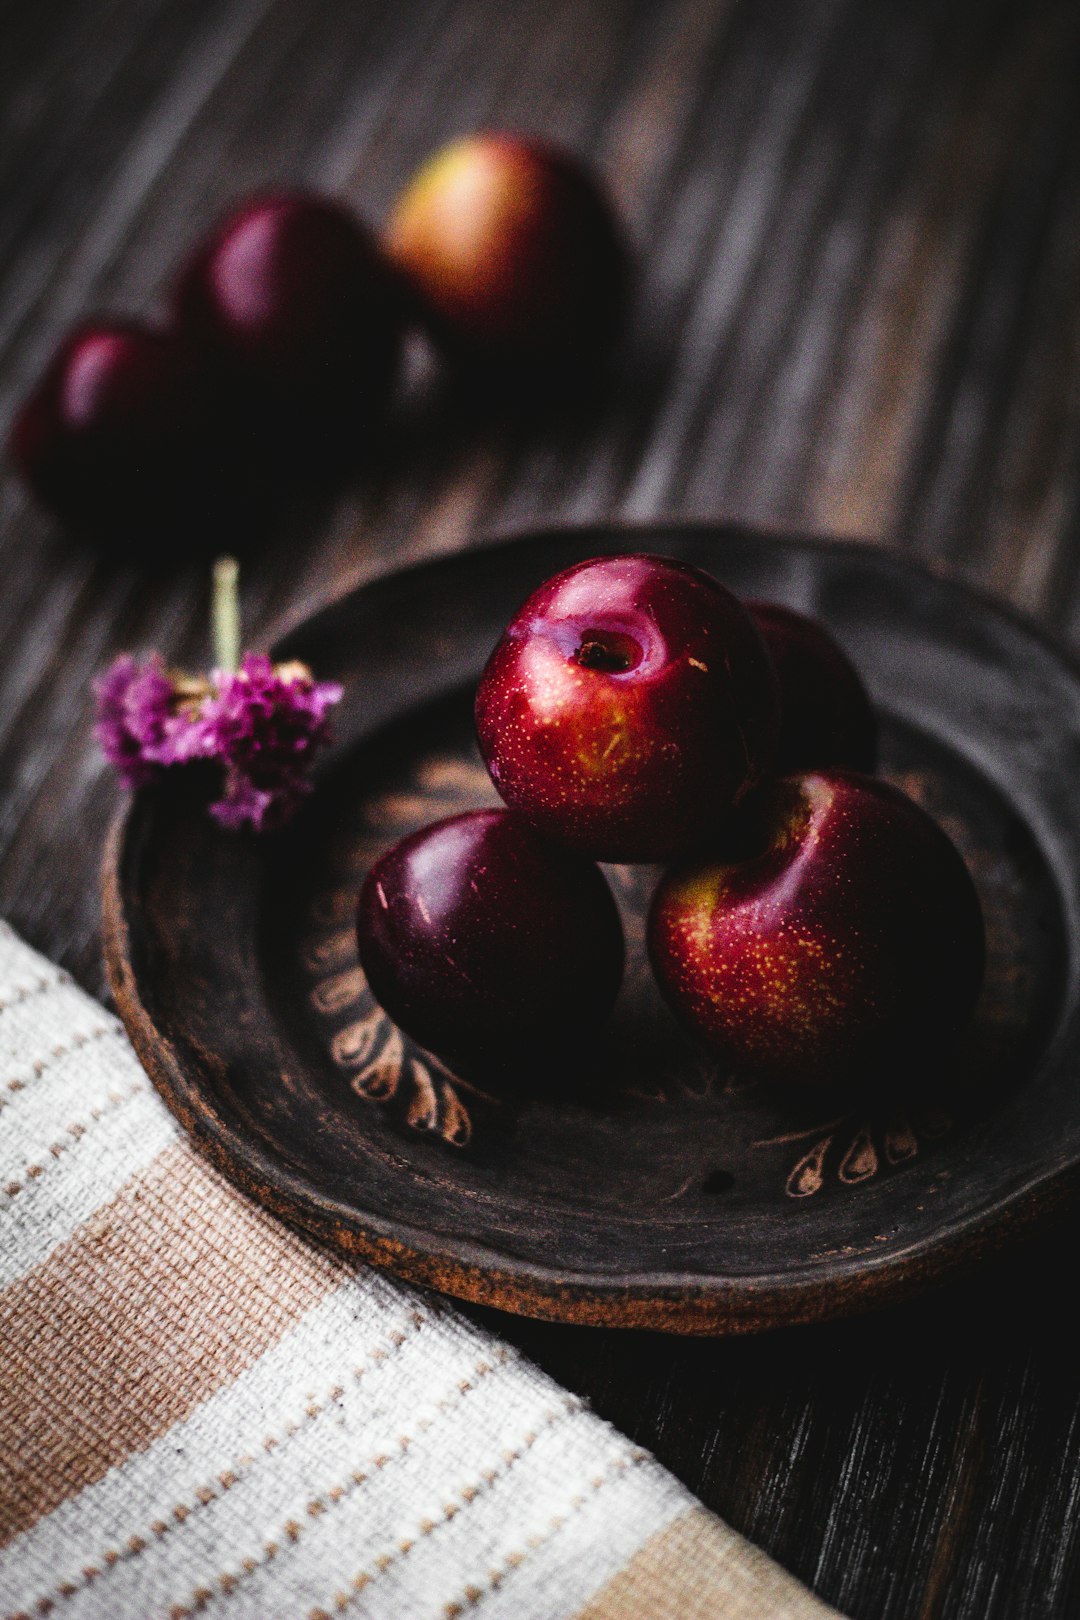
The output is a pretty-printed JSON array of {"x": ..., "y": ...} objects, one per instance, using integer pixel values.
[
  {"x": 854, "y": 1149},
  {"x": 381, "y": 1064}
]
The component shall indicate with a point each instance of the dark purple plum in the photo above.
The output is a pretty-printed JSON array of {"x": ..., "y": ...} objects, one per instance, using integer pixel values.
[
  {"x": 826, "y": 719},
  {"x": 628, "y": 708},
  {"x": 492, "y": 948},
  {"x": 117, "y": 430},
  {"x": 849, "y": 947},
  {"x": 291, "y": 296}
]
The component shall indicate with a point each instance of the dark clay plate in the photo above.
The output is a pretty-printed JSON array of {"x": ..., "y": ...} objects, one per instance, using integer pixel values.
[{"x": 678, "y": 1197}]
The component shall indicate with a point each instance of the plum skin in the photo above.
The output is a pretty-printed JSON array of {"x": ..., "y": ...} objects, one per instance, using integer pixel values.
[
  {"x": 117, "y": 430},
  {"x": 628, "y": 706},
  {"x": 291, "y": 297},
  {"x": 850, "y": 946},
  {"x": 493, "y": 949},
  {"x": 511, "y": 252},
  {"x": 826, "y": 718}
]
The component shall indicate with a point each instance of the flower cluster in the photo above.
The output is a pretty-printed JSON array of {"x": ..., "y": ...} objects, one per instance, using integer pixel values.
[{"x": 262, "y": 724}]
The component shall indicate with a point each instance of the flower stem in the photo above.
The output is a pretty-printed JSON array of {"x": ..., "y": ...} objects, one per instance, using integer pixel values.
[{"x": 226, "y": 615}]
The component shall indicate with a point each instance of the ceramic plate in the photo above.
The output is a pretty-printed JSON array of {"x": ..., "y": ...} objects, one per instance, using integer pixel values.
[{"x": 680, "y": 1198}]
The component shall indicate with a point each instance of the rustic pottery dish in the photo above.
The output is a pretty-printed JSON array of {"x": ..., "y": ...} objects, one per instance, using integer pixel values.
[{"x": 676, "y": 1197}]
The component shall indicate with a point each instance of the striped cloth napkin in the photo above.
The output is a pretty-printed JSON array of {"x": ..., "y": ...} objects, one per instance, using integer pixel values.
[{"x": 201, "y": 1412}]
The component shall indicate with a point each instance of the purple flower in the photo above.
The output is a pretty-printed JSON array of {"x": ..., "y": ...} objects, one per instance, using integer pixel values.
[
  {"x": 141, "y": 723},
  {"x": 265, "y": 725}
]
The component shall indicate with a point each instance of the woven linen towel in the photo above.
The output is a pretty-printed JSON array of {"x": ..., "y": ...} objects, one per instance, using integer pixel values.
[{"x": 203, "y": 1413}]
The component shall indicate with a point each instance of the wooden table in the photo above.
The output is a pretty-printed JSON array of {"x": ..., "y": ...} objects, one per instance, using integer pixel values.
[{"x": 859, "y": 312}]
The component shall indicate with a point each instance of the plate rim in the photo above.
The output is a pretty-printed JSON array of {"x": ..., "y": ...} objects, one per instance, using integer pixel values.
[{"x": 684, "y": 1302}]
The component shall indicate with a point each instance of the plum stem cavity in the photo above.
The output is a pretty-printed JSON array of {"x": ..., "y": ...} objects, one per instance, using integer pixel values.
[{"x": 608, "y": 651}]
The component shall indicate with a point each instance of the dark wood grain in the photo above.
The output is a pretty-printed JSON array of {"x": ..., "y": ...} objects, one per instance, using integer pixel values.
[{"x": 858, "y": 225}]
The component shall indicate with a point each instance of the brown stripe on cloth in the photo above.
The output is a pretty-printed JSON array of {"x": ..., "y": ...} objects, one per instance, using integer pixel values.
[
  {"x": 165, "y": 1295},
  {"x": 698, "y": 1569}
]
